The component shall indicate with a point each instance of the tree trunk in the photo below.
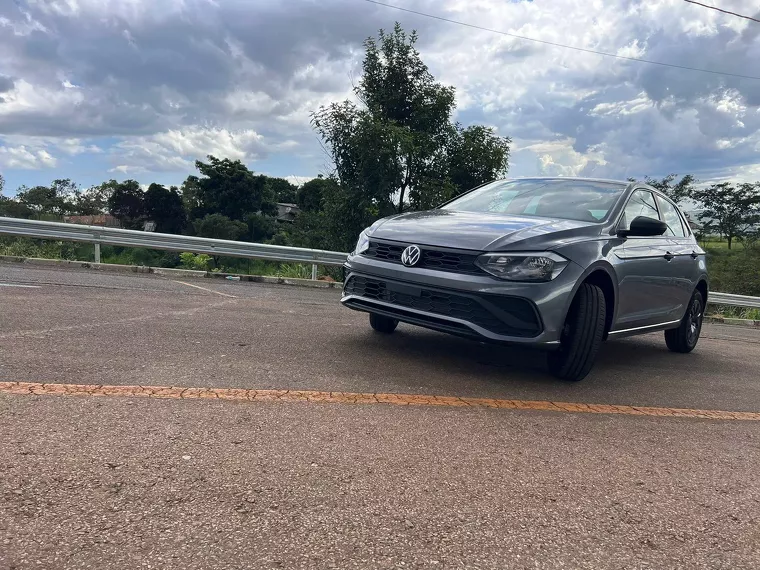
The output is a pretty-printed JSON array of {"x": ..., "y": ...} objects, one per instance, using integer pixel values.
[
  {"x": 405, "y": 184},
  {"x": 729, "y": 242},
  {"x": 401, "y": 200}
]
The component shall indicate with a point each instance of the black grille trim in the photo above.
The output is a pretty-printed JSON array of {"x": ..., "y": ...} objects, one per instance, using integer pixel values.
[
  {"x": 431, "y": 258},
  {"x": 503, "y": 316}
]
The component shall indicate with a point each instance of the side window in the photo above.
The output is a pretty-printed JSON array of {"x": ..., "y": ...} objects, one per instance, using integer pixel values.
[
  {"x": 641, "y": 203},
  {"x": 670, "y": 216}
]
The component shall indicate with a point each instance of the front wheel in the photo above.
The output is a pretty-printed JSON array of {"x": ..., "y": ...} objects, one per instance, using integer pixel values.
[
  {"x": 382, "y": 324},
  {"x": 581, "y": 336},
  {"x": 685, "y": 337}
]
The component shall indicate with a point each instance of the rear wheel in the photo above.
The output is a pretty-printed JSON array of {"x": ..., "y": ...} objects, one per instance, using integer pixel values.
[
  {"x": 686, "y": 336},
  {"x": 382, "y": 324},
  {"x": 581, "y": 336}
]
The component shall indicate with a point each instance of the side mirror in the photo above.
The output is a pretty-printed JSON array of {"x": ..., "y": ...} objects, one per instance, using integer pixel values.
[{"x": 642, "y": 226}]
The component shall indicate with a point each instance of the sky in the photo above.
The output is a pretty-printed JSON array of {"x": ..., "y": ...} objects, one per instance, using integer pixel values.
[{"x": 97, "y": 89}]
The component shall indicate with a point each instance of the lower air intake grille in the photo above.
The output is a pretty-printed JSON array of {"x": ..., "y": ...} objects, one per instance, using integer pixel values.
[{"x": 508, "y": 316}]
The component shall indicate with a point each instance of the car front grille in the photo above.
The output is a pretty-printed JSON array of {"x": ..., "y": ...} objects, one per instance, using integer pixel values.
[
  {"x": 507, "y": 316},
  {"x": 442, "y": 260}
]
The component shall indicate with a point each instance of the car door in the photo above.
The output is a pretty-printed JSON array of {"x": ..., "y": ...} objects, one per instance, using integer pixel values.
[
  {"x": 684, "y": 266},
  {"x": 645, "y": 294}
]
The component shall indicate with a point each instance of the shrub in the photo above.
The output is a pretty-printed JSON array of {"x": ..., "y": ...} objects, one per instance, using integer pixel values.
[{"x": 199, "y": 262}]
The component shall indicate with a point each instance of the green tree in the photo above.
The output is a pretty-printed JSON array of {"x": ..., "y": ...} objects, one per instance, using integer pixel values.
[
  {"x": 10, "y": 207},
  {"x": 281, "y": 189},
  {"x": 477, "y": 156},
  {"x": 220, "y": 226},
  {"x": 260, "y": 227},
  {"x": 230, "y": 189},
  {"x": 733, "y": 211},
  {"x": 13, "y": 208},
  {"x": 127, "y": 203},
  {"x": 191, "y": 199},
  {"x": 94, "y": 200},
  {"x": 164, "y": 206},
  {"x": 398, "y": 148},
  {"x": 50, "y": 200},
  {"x": 676, "y": 191},
  {"x": 309, "y": 197}
]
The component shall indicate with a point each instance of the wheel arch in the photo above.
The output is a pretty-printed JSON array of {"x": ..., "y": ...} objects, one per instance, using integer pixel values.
[
  {"x": 603, "y": 276},
  {"x": 703, "y": 288}
]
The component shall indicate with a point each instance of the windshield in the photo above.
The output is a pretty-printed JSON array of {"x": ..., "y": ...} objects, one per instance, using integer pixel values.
[{"x": 581, "y": 200}]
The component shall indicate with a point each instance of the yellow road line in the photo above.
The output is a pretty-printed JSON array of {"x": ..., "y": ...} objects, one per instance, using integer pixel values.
[
  {"x": 180, "y": 393},
  {"x": 205, "y": 289}
]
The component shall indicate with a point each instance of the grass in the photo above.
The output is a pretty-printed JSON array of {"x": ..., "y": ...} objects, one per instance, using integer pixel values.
[
  {"x": 733, "y": 271},
  {"x": 717, "y": 244},
  {"x": 25, "y": 247},
  {"x": 734, "y": 312}
]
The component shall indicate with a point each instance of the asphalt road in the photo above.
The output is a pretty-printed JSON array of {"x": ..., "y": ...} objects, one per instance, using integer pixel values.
[{"x": 99, "y": 482}]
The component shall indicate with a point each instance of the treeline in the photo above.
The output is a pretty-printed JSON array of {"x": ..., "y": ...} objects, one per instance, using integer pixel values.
[
  {"x": 726, "y": 209},
  {"x": 226, "y": 201}
]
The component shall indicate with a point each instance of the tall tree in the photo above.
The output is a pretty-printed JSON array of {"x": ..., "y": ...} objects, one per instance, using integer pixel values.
[
  {"x": 164, "y": 206},
  {"x": 731, "y": 210},
  {"x": 190, "y": 191},
  {"x": 281, "y": 189},
  {"x": 50, "y": 200},
  {"x": 94, "y": 200},
  {"x": 13, "y": 208},
  {"x": 229, "y": 188},
  {"x": 127, "y": 203},
  {"x": 676, "y": 191},
  {"x": 309, "y": 197},
  {"x": 477, "y": 156},
  {"x": 395, "y": 149}
]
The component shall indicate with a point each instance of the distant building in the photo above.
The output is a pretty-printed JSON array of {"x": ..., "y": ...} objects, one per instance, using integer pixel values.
[
  {"x": 104, "y": 220},
  {"x": 287, "y": 212}
]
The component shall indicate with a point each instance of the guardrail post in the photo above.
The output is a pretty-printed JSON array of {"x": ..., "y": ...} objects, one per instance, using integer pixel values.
[
  {"x": 97, "y": 253},
  {"x": 313, "y": 271}
]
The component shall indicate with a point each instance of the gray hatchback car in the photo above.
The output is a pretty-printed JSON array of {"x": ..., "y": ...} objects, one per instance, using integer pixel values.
[{"x": 555, "y": 263}]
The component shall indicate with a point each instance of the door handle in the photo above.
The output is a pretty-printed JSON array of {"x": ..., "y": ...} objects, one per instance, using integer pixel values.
[{"x": 669, "y": 256}]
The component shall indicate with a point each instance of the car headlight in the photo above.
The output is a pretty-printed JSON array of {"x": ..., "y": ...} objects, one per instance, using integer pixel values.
[
  {"x": 363, "y": 244},
  {"x": 535, "y": 267}
]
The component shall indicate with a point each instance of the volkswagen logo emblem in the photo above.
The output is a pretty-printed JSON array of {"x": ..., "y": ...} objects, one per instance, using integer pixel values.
[{"x": 410, "y": 256}]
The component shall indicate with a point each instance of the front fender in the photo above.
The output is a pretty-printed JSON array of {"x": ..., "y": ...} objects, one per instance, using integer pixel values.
[{"x": 605, "y": 267}]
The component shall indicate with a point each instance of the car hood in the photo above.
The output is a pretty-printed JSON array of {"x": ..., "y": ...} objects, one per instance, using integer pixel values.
[{"x": 480, "y": 231}]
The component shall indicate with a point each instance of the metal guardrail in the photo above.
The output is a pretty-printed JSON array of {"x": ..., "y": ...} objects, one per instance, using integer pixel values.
[
  {"x": 734, "y": 300},
  {"x": 131, "y": 238},
  {"x": 170, "y": 242}
]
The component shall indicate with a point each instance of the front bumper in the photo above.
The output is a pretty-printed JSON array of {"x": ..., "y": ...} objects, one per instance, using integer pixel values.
[{"x": 475, "y": 306}]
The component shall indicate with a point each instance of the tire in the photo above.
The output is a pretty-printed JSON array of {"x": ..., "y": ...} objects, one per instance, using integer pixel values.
[
  {"x": 581, "y": 336},
  {"x": 382, "y": 324},
  {"x": 685, "y": 337}
]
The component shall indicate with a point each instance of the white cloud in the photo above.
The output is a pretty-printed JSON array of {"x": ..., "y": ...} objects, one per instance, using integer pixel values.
[
  {"x": 176, "y": 80},
  {"x": 177, "y": 150},
  {"x": 298, "y": 180},
  {"x": 25, "y": 158}
]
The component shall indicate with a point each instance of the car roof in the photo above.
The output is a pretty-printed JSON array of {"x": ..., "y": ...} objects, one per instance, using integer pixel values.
[{"x": 571, "y": 178}]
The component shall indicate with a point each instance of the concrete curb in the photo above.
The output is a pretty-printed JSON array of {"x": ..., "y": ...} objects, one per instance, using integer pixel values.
[
  {"x": 116, "y": 268},
  {"x": 731, "y": 321}
]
